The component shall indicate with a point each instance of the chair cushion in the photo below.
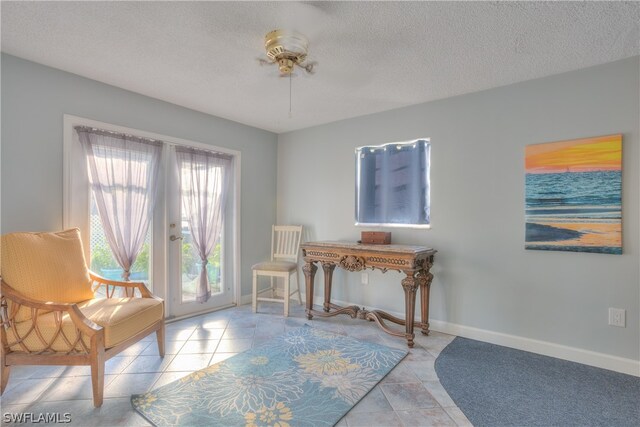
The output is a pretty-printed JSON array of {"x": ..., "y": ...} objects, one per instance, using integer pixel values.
[
  {"x": 275, "y": 266},
  {"x": 121, "y": 318},
  {"x": 46, "y": 267}
]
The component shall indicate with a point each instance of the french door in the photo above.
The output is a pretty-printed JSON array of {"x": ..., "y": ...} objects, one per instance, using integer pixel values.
[
  {"x": 184, "y": 263},
  {"x": 168, "y": 262}
]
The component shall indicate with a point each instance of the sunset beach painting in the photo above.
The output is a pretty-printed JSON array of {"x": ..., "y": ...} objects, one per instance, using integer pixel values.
[{"x": 573, "y": 195}]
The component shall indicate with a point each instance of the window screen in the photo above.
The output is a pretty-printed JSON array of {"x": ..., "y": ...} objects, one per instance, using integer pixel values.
[{"x": 392, "y": 184}]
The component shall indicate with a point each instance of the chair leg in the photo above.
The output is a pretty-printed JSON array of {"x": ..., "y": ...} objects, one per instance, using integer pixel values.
[
  {"x": 254, "y": 295},
  {"x": 97, "y": 368},
  {"x": 160, "y": 338},
  {"x": 287, "y": 284},
  {"x": 6, "y": 370},
  {"x": 298, "y": 286}
]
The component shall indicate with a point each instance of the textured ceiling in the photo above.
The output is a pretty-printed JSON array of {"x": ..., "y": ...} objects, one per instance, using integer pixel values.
[{"x": 372, "y": 56}]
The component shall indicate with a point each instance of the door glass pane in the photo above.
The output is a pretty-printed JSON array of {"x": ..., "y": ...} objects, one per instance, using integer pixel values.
[
  {"x": 102, "y": 260},
  {"x": 191, "y": 266}
]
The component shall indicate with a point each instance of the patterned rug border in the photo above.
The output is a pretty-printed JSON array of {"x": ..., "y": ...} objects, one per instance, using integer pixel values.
[{"x": 333, "y": 372}]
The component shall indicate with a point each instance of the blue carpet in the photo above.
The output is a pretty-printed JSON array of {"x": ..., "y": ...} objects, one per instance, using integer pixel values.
[
  {"x": 307, "y": 377},
  {"x": 500, "y": 386}
]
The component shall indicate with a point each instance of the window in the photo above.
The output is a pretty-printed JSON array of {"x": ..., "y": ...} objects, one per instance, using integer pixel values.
[
  {"x": 102, "y": 260},
  {"x": 123, "y": 180},
  {"x": 392, "y": 184}
]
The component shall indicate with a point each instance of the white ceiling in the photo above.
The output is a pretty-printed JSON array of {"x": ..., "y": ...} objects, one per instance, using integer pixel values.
[{"x": 372, "y": 56}]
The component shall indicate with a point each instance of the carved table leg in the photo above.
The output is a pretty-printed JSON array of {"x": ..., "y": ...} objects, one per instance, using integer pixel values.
[
  {"x": 424, "y": 279},
  {"x": 309, "y": 270},
  {"x": 328, "y": 276},
  {"x": 410, "y": 287}
]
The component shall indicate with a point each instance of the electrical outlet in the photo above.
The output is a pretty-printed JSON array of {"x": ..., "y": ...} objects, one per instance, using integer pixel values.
[
  {"x": 365, "y": 278},
  {"x": 617, "y": 317}
]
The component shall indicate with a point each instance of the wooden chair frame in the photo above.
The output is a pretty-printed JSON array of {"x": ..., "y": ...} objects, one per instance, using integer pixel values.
[
  {"x": 285, "y": 246},
  {"x": 94, "y": 354}
]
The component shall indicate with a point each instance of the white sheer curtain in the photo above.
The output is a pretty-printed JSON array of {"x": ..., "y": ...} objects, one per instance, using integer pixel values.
[
  {"x": 204, "y": 185},
  {"x": 123, "y": 174}
]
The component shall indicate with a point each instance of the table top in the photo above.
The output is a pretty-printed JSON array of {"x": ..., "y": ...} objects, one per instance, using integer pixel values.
[{"x": 391, "y": 248}]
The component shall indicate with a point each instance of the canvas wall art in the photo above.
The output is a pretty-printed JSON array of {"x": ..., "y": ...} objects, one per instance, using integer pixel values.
[{"x": 574, "y": 194}]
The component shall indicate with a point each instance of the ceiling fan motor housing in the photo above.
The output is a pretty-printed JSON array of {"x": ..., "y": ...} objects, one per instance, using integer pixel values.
[{"x": 287, "y": 48}]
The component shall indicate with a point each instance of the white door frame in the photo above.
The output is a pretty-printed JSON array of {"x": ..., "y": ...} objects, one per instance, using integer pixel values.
[{"x": 75, "y": 196}]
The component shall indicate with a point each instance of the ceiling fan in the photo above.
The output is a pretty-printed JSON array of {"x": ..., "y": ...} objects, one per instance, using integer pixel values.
[{"x": 288, "y": 49}]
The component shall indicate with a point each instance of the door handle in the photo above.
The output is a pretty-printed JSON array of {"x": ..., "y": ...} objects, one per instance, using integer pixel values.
[{"x": 173, "y": 238}]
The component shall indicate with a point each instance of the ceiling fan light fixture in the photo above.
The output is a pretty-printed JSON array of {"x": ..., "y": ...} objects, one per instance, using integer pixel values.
[{"x": 285, "y": 65}]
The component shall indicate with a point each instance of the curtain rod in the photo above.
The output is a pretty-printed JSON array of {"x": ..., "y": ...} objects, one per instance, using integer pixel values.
[{"x": 104, "y": 132}]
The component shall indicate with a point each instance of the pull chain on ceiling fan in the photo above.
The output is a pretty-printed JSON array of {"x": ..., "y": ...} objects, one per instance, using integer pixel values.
[{"x": 288, "y": 49}]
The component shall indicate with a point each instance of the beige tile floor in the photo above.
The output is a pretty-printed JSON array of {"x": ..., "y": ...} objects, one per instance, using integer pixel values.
[{"x": 410, "y": 395}]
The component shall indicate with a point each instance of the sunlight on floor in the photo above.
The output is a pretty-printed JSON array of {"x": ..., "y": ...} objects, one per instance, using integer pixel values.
[{"x": 410, "y": 395}]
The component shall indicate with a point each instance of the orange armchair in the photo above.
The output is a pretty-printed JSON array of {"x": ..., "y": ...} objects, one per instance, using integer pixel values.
[{"x": 54, "y": 311}]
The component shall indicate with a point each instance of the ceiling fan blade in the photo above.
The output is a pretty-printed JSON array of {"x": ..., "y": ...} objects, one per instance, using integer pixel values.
[
  {"x": 309, "y": 67},
  {"x": 263, "y": 61}
]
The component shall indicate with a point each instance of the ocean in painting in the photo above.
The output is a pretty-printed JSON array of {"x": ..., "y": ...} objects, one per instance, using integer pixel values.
[{"x": 574, "y": 211}]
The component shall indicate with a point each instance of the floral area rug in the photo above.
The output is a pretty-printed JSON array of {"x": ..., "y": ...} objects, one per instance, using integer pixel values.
[{"x": 306, "y": 377}]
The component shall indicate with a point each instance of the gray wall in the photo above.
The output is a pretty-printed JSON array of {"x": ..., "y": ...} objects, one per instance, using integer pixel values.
[
  {"x": 34, "y": 99},
  {"x": 483, "y": 276}
]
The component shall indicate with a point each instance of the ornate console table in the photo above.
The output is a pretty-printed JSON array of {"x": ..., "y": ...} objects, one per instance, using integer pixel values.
[{"x": 413, "y": 261}]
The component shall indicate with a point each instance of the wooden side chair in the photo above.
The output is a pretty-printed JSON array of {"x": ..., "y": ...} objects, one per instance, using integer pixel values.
[
  {"x": 285, "y": 244},
  {"x": 51, "y": 313}
]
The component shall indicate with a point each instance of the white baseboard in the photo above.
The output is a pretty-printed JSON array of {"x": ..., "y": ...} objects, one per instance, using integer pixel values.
[{"x": 573, "y": 354}]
